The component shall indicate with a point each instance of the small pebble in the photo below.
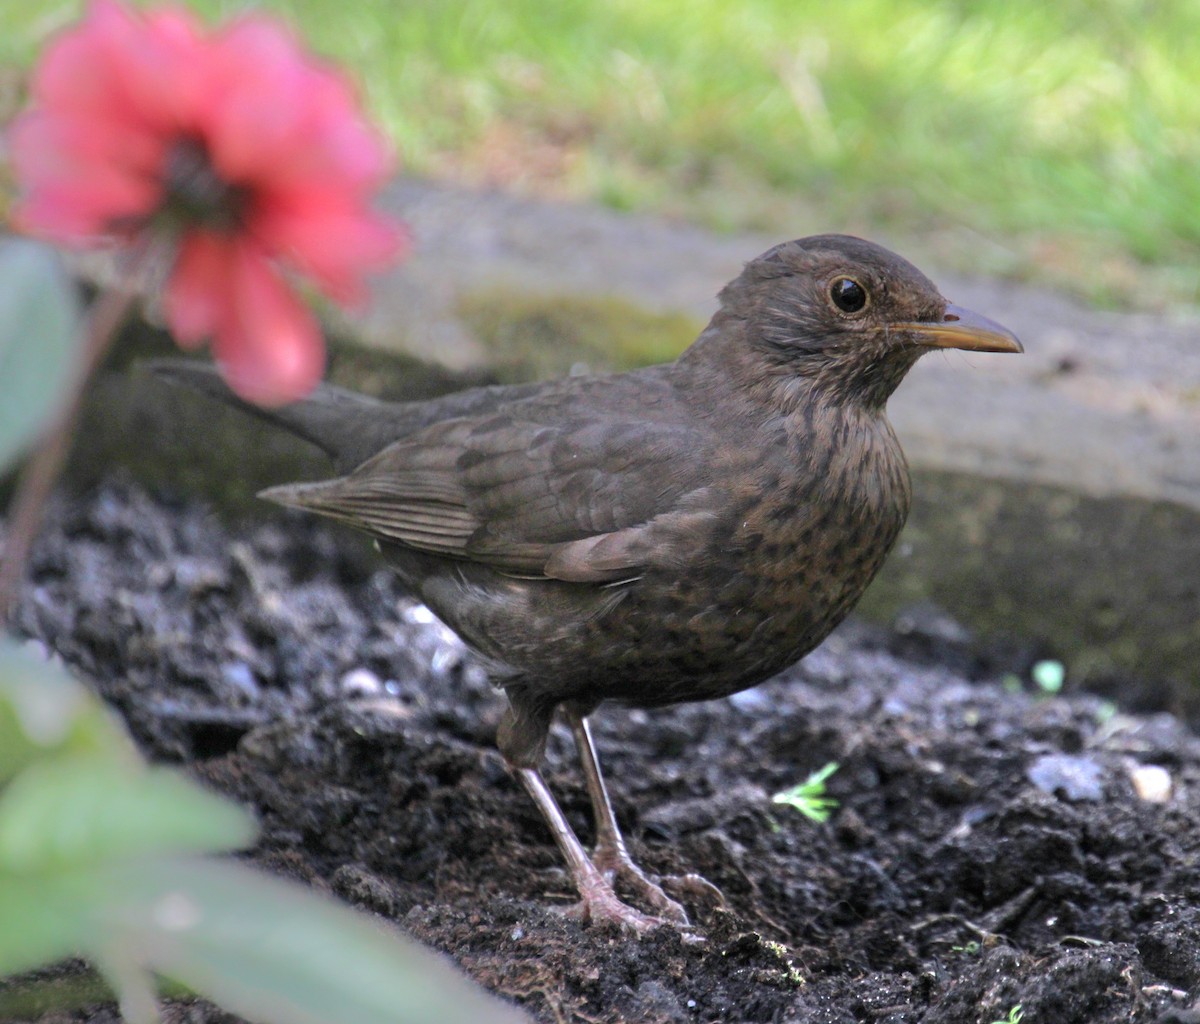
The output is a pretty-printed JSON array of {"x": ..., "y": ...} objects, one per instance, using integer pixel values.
[
  {"x": 361, "y": 682},
  {"x": 926, "y": 620},
  {"x": 36, "y": 649},
  {"x": 239, "y": 678},
  {"x": 1151, "y": 782},
  {"x": 419, "y": 614},
  {"x": 445, "y": 659},
  {"x": 1049, "y": 675},
  {"x": 751, "y": 700},
  {"x": 1077, "y": 778}
]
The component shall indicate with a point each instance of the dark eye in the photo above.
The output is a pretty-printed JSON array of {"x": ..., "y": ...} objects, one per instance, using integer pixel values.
[{"x": 848, "y": 295}]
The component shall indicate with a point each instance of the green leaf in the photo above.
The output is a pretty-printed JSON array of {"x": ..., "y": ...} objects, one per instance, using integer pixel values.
[
  {"x": 266, "y": 949},
  {"x": 43, "y": 710},
  {"x": 270, "y": 950},
  {"x": 39, "y": 338},
  {"x": 72, "y": 811},
  {"x": 47, "y": 918}
]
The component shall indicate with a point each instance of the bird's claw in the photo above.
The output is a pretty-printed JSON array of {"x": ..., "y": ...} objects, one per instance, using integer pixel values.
[
  {"x": 618, "y": 866},
  {"x": 695, "y": 885}
]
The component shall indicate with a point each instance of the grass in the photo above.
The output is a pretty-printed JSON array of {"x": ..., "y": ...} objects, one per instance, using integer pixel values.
[{"x": 1056, "y": 139}]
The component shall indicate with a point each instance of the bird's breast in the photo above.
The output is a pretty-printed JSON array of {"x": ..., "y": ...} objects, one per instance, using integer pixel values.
[
  {"x": 796, "y": 543},
  {"x": 797, "y": 531}
]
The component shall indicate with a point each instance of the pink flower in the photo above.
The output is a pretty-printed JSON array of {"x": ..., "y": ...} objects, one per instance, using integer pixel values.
[{"x": 252, "y": 156}]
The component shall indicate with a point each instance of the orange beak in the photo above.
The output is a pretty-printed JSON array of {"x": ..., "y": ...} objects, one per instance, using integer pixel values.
[{"x": 960, "y": 328}]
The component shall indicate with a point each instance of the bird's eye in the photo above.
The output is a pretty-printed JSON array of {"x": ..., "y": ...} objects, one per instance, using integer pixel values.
[{"x": 848, "y": 295}]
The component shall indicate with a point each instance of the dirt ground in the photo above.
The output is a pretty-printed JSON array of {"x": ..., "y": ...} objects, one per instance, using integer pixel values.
[{"x": 990, "y": 848}]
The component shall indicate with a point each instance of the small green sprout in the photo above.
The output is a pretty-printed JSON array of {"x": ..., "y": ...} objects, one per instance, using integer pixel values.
[
  {"x": 809, "y": 796},
  {"x": 969, "y": 949},
  {"x": 1015, "y": 1016},
  {"x": 1049, "y": 676}
]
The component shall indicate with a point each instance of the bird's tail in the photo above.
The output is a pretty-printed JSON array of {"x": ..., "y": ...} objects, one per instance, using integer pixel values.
[{"x": 347, "y": 426}]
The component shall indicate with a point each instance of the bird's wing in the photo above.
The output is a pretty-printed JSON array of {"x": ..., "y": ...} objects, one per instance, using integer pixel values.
[{"x": 584, "y": 500}]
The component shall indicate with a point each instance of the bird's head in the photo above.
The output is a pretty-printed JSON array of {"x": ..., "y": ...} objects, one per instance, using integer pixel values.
[{"x": 849, "y": 316}]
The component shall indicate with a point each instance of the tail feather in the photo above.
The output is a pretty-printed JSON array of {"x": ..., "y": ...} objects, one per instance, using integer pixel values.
[
  {"x": 347, "y": 426},
  {"x": 312, "y": 496}
]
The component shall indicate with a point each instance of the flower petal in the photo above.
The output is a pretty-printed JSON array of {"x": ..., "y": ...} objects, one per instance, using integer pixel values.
[
  {"x": 199, "y": 289},
  {"x": 165, "y": 70},
  {"x": 71, "y": 216},
  {"x": 330, "y": 240},
  {"x": 44, "y": 146},
  {"x": 278, "y": 116},
  {"x": 269, "y": 345},
  {"x": 75, "y": 73},
  {"x": 257, "y": 100},
  {"x": 78, "y": 189}
]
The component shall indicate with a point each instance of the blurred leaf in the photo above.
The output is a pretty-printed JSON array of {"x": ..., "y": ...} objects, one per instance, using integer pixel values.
[
  {"x": 42, "y": 709},
  {"x": 270, "y": 950},
  {"x": 39, "y": 334},
  {"x": 44, "y": 918},
  {"x": 265, "y": 949},
  {"x": 76, "y": 810}
]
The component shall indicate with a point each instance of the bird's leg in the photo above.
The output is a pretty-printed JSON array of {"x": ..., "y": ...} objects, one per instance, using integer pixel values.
[
  {"x": 522, "y": 742},
  {"x": 598, "y": 900},
  {"x": 610, "y": 854}
]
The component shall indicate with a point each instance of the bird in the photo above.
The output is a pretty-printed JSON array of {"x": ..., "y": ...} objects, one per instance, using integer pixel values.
[{"x": 674, "y": 533}]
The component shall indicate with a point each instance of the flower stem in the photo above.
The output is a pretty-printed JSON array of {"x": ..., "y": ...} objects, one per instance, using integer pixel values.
[{"x": 37, "y": 479}]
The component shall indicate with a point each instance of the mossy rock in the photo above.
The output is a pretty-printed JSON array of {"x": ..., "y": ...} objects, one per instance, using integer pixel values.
[
  {"x": 1106, "y": 585},
  {"x": 534, "y": 336}
]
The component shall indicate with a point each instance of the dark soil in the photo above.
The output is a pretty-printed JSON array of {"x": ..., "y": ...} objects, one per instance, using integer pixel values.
[{"x": 989, "y": 850}]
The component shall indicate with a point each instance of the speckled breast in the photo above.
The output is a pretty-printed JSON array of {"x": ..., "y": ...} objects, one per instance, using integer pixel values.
[{"x": 786, "y": 559}]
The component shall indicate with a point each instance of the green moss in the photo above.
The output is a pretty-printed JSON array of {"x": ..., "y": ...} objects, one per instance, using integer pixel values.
[{"x": 547, "y": 335}]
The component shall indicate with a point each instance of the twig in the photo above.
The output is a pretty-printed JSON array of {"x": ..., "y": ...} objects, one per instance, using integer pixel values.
[{"x": 37, "y": 480}]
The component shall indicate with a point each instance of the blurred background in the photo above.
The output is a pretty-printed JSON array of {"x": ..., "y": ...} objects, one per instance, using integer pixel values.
[{"x": 1057, "y": 142}]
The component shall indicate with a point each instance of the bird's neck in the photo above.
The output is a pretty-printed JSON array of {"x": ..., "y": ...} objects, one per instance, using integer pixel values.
[
  {"x": 847, "y": 455},
  {"x": 865, "y": 379},
  {"x": 859, "y": 382}
]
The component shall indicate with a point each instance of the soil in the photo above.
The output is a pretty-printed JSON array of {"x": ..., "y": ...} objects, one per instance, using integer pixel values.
[{"x": 990, "y": 847}]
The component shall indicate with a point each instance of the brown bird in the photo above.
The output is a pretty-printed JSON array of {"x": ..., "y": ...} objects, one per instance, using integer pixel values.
[{"x": 671, "y": 534}]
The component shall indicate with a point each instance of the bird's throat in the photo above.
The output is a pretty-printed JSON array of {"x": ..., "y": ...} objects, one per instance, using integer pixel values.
[{"x": 865, "y": 378}]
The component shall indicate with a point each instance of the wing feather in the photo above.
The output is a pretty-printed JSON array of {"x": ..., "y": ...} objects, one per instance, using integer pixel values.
[{"x": 582, "y": 500}]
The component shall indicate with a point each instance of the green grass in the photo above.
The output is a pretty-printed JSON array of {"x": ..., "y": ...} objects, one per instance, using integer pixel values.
[{"x": 1067, "y": 135}]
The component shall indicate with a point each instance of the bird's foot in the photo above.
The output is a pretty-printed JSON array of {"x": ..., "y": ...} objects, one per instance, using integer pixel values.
[
  {"x": 601, "y": 905},
  {"x": 618, "y": 866}
]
